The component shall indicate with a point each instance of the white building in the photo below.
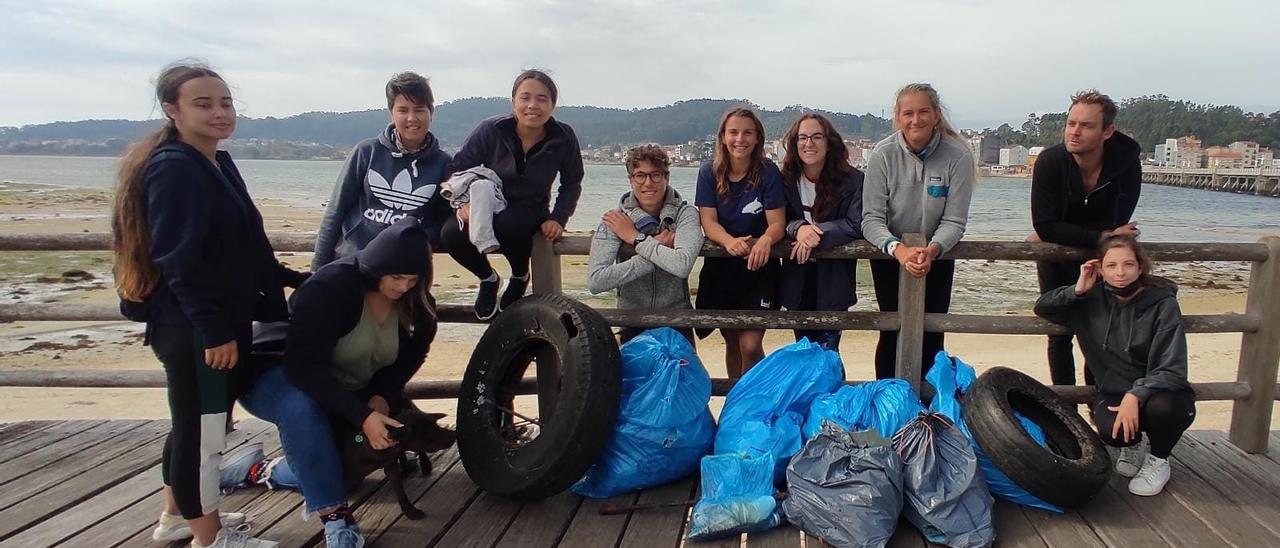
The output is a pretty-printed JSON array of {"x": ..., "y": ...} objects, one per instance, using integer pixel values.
[
  {"x": 1160, "y": 158},
  {"x": 1249, "y": 151},
  {"x": 1013, "y": 156}
]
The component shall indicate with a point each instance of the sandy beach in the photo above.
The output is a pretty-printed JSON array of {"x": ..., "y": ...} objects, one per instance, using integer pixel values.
[{"x": 84, "y": 277}]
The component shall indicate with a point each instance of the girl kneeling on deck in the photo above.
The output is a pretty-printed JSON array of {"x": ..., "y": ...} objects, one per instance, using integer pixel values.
[
  {"x": 739, "y": 197},
  {"x": 193, "y": 262},
  {"x": 1130, "y": 331},
  {"x": 361, "y": 327}
]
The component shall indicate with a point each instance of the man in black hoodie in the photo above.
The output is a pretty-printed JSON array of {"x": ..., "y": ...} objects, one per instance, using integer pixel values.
[{"x": 1082, "y": 190}]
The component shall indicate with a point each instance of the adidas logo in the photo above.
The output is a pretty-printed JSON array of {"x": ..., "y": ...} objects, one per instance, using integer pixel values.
[{"x": 399, "y": 194}]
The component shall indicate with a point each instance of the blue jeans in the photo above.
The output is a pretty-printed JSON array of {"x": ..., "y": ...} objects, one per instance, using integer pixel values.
[{"x": 312, "y": 464}]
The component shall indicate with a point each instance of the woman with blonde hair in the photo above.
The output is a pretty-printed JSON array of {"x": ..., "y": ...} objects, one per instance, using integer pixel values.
[{"x": 919, "y": 180}]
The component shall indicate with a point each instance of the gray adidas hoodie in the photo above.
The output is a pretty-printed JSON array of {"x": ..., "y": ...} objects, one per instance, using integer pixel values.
[
  {"x": 904, "y": 192},
  {"x": 657, "y": 276}
]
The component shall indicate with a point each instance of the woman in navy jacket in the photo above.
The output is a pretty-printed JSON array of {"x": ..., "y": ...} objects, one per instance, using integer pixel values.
[
  {"x": 193, "y": 262},
  {"x": 824, "y": 210},
  {"x": 527, "y": 149}
]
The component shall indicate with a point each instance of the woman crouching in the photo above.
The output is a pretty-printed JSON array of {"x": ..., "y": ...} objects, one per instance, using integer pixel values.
[{"x": 1131, "y": 334}]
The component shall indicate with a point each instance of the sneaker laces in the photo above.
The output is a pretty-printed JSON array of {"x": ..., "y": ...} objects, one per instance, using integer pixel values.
[{"x": 1148, "y": 470}]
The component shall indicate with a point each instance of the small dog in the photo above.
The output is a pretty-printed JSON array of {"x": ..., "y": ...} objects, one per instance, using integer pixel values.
[{"x": 420, "y": 434}]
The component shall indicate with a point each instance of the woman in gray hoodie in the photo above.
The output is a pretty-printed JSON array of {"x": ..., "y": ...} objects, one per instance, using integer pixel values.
[{"x": 919, "y": 179}]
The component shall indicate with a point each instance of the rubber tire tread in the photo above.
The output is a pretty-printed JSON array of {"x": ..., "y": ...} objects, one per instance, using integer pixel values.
[
  {"x": 586, "y": 409},
  {"x": 1054, "y": 474}
]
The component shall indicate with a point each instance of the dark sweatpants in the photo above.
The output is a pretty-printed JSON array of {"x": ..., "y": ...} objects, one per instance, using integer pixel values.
[
  {"x": 200, "y": 398},
  {"x": 514, "y": 228},
  {"x": 1164, "y": 418},
  {"x": 1062, "y": 363},
  {"x": 937, "y": 299}
]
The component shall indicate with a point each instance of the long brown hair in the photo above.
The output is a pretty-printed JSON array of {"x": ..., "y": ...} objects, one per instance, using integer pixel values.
[
  {"x": 1145, "y": 266},
  {"x": 834, "y": 167},
  {"x": 721, "y": 163},
  {"x": 136, "y": 275}
]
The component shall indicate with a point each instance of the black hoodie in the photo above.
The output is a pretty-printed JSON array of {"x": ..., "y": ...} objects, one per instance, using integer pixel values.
[
  {"x": 330, "y": 305},
  {"x": 1138, "y": 347},
  {"x": 1063, "y": 213}
]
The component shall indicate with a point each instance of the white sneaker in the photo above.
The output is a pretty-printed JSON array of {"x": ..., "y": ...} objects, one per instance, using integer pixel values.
[
  {"x": 1152, "y": 478},
  {"x": 173, "y": 527},
  {"x": 232, "y": 538},
  {"x": 1131, "y": 459}
]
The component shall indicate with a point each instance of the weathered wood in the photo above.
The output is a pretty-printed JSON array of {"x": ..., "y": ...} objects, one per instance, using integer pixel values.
[
  {"x": 589, "y": 528},
  {"x": 659, "y": 527},
  {"x": 1013, "y": 528},
  {"x": 1259, "y": 354},
  {"x": 1030, "y": 325},
  {"x": 1114, "y": 521},
  {"x": 88, "y": 456},
  {"x": 381, "y": 513},
  {"x": 1062, "y": 531},
  {"x": 785, "y": 536},
  {"x": 36, "y": 440},
  {"x": 1259, "y": 500},
  {"x": 443, "y": 503},
  {"x": 911, "y": 317},
  {"x": 16, "y": 430},
  {"x": 541, "y": 524},
  {"x": 544, "y": 263},
  {"x": 1216, "y": 510},
  {"x": 1205, "y": 391},
  {"x": 756, "y": 319},
  {"x": 51, "y": 453},
  {"x": 483, "y": 523}
]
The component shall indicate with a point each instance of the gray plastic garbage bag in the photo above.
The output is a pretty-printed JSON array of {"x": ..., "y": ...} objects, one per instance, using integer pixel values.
[
  {"x": 845, "y": 487},
  {"x": 945, "y": 494}
]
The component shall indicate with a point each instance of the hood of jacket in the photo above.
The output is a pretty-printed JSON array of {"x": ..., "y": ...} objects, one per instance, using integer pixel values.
[
  {"x": 1119, "y": 154},
  {"x": 645, "y": 222},
  {"x": 402, "y": 248},
  {"x": 388, "y": 141}
]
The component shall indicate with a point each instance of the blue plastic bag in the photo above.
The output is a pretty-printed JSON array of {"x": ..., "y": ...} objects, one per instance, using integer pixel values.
[
  {"x": 737, "y": 497},
  {"x": 885, "y": 405},
  {"x": 664, "y": 426},
  {"x": 765, "y": 410},
  {"x": 951, "y": 379}
]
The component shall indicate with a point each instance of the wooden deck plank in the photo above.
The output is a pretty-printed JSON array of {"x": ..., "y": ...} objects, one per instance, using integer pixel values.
[
  {"x": 1262, "y": 469},
  {"x": 77, "y": 444},
  {"x": 443, "y": 503},
  {"x": 1174, "y": 522},
  {"x": 1218, "y": 512},
  {"x": 1067, "y": 530},
  {"x": 292, "y": 531},
  {"x": 87, "y": 460},
  {"x": 1233, "y": 480},
  {"x": 10, "y": 431},
  {"x": 659, "y": 527},
  {"x": 542, "y": 524},
  {"x": 785, "y": 536},
  {"x": 589, "y": 529},
  {"x": 1013, "y": 528},
  {"x": 27, "y": 444},
  {"x": 483, "y": 523},
  {"x": 125, "y": 510},
  {"x": 382, "y": 511},
  {"x": 1114, "y": 520}
]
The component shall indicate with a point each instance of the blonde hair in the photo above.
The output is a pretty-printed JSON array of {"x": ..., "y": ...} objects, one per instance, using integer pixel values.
[{"x": 944, "y": 125}]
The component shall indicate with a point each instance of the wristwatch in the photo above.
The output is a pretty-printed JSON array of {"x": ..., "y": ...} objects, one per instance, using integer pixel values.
[{"x": 640, "y": 237}]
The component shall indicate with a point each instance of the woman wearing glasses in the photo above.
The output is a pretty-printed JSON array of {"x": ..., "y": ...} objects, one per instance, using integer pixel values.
[
  {"x": 663, "y": 229},
  {"x": 824, "y": 209},
  {"x": 739, "y": 198},
  {"x": 919, "y": 179}
]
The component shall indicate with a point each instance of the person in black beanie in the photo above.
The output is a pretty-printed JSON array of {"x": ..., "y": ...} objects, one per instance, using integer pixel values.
[{"x": 360, "y": 329}]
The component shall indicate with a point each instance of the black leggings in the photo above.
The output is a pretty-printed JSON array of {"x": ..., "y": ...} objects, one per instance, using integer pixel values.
[
  {"x": 1062, "y": 363},
  {"x": 514, "y": 228},
  {"x": 937, "y": 299},
  {"x": 200, "y": 398},
  {"x": 1164, "y": 418}
]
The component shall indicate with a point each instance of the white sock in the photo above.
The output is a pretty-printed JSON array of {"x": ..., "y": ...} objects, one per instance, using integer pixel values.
[{"x": 523, "y": 278}]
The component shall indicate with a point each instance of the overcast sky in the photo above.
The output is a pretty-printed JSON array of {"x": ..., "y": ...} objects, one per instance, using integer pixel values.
[{"x": 992, "y": 61}]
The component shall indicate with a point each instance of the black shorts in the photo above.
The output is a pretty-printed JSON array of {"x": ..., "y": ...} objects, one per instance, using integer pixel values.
[{"x": 726, "y": 284}]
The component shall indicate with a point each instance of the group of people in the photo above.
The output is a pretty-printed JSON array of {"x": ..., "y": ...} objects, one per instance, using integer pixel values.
[{"x": 193, "y": 261}]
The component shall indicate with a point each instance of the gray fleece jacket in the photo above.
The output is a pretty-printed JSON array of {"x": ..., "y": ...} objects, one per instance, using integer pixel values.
[
  {"x": 907, "y": 192},
  {"x": 1138, "y": 347},
  {"x": 657, "y": 276}
]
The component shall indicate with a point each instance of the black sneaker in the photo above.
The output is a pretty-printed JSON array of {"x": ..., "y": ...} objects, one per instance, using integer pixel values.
[
  {"x": 487, "y": 299},
  {"x": 515, "y": 290}
]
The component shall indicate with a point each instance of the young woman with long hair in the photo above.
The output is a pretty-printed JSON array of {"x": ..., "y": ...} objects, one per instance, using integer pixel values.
[
  {"x": 919, "y": 180},
  {"x": 1130, "y": 331},
  {"x": 193, "y": 262},
  {"x": 740, "y": 198},
  {"x": 824, "y": 209}
]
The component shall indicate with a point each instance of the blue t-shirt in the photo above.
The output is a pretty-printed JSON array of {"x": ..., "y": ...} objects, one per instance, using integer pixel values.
[{"x": 743, "y": 213}]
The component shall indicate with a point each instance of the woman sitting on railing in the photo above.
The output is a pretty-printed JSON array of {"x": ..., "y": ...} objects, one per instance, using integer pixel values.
[
  {"x": 919, "y": 180},
  {"x": 1130, "y": 331},
  {"x": 527, "y": 149},
  {"x": 740, "y": 197},
  {"x": 824, "y": 209},
  {"x": 193, "y": 262},
  {"x": 361, "y": 327}
]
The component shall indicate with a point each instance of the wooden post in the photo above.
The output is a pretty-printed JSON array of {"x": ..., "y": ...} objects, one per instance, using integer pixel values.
[
  {"x": 545, "y": 265},
  {"x": 1259, "y": 354},
  {"x": 911, "y": 311}
]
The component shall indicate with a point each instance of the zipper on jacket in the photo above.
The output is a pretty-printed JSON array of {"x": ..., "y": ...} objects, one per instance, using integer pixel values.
[{"x": 1090, "y": 193}]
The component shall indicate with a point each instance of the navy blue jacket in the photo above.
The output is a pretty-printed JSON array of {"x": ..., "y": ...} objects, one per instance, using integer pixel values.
[
  {"x": 837, "y": 279},
  {"x": 218, "y": 272},
  {"x": 494, "y": 145}
]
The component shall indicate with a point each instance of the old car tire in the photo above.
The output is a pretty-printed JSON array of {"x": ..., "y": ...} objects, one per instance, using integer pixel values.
[
  {"x": 1069, "y": 471},
  {"x": 539, "y": 327}
]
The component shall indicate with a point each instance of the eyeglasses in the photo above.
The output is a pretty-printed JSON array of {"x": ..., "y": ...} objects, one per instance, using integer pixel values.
[
  {"x": 816, "y": 138},
  {"x": 641, "y": 177}
]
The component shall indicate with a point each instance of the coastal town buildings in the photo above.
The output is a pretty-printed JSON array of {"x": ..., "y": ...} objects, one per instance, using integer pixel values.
[{"x": 1014, "y": 156}]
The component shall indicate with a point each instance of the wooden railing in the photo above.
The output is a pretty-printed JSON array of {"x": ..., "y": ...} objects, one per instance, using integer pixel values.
[{"x": 1253, "y": 392}]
